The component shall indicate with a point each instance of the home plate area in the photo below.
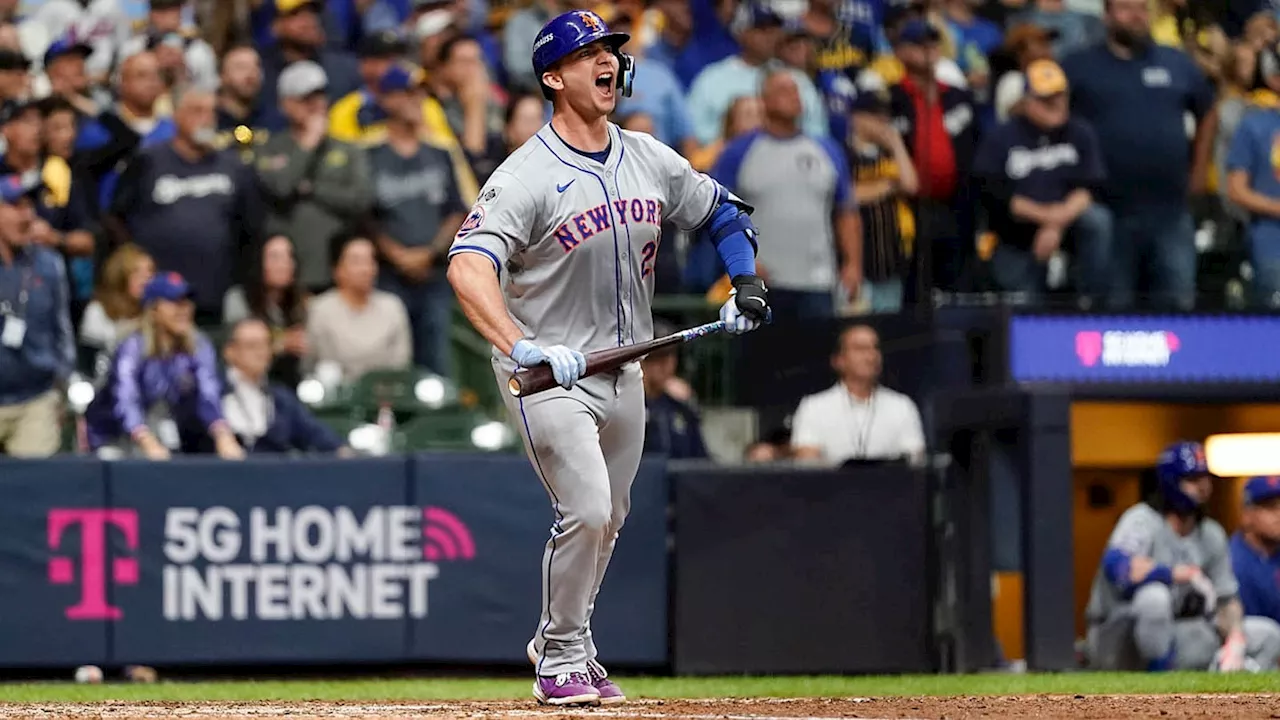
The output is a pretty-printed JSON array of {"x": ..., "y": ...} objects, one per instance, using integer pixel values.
[{"x": 1073, "y": 707}]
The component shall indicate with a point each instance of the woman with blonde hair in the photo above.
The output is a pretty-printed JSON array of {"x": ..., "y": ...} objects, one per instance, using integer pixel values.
[
  {"x": 162, "y": 393},
  {"x": 116, "y": 308}
]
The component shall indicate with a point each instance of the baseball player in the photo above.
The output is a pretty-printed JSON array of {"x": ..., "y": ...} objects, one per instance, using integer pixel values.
[
  {"x": 1165, "y": 596},
  {"x": 556, "y": 260}
]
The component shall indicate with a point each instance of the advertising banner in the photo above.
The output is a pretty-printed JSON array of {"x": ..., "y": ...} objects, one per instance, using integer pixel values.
[
  {"x": 56, "y": 587},
  {"x": 282, "y": 561},
  {"x": 270, "y": 561},
  {"x": 1145, "y": 348},
  {"x": 487, "y": 608}
]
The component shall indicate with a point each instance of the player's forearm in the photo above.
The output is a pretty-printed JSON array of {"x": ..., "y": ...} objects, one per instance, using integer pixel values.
[
  {"x": 849, "y": 234},
  {"x": 480, "y": 297},
  {"x": 1230, "y": 617}
]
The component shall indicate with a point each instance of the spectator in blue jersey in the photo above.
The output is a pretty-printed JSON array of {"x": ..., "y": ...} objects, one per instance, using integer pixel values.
[
  {"x": 720, "y": 83},
  {"x": 162, "y": 394},
  {"x": 266, "y": 417},
  {"x": 1137, "y": 94},
  {"x": 1037, "y": 174},
  {"x": 1073, "y": 30},
  {"x": 37, "y": 345},
  {"x": 1255, "y": 548},
  {"x": 657, "y": 93},
  {"x": 672, "y": 426},
  {"x": 810, "y": 233},
  {"x": 196, "y": 211},
  {"x": 938, "y": 124},
  {"x": 417, "y": 210},
  {"x": 1253, "y": 183},
  {"x": 301, "y": 36},
  {"x": 240, "y": 93}
]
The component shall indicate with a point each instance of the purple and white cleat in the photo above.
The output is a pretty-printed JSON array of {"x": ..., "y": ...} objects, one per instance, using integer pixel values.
[
  {"x": 566, "y": 689},
  {"x": 610, "y": 693}
]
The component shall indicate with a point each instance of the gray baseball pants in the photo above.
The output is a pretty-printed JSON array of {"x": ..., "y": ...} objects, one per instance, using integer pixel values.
[
  {"x": 585, "y": 444},
  {"x": 1143, "y": 631}
]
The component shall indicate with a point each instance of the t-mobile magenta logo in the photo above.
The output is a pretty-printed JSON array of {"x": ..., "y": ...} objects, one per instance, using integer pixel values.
[{"x": 93, "y": 524}]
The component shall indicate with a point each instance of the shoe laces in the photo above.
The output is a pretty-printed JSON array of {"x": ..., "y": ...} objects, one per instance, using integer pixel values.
[
  {"x": 564, "y": 678},
  {"x": 595, "y": 672}
]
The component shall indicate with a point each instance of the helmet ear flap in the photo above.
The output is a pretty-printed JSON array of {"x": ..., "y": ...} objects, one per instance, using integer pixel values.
[{"x": 626, "y": 73}]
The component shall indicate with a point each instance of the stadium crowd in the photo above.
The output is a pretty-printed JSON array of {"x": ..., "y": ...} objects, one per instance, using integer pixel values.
[{"x": 305, "y": 164}]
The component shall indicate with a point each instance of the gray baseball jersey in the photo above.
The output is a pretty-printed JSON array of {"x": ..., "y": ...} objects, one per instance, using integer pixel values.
[
  {"x": 1131, "y": 633},
  {"x": 1142, "y": 531},
  {"x": 575, "y": 239}
]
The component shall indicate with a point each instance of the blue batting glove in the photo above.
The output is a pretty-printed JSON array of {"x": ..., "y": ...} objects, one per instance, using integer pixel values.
[
  {"x": 735, "y": 322},
  {"x": 567, "y": 365}
]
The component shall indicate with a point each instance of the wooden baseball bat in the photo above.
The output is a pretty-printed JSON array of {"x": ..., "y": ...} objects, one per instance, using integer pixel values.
[{"x": 536, "y": 379}]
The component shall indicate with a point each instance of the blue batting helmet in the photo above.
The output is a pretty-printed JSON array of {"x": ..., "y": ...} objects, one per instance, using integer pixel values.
[
  {"x": 577, "y": 28},
  {"x": 1178, "y": 462}
]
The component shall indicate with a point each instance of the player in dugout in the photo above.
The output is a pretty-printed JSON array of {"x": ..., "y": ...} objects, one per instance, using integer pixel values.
[
  {"x": 1165, "y": 596},
  {"x": 555, "y": 260}
]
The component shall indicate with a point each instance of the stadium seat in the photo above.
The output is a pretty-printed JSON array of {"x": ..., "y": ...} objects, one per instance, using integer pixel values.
[
  {"x": 410, "y": 391},
  {"x": 454, "y": 430}
]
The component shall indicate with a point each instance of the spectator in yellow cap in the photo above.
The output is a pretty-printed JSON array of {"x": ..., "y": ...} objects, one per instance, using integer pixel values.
[{"x": 1038, "y": 173}]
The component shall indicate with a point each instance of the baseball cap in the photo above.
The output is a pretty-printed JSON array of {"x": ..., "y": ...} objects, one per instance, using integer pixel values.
[
  {"x": 166, "y": 286},
  {"x": 1044, "y": 78},
  {"x": 918, "y": 31},
  {"x": 386, "y": 43},
  {"x": 13, "y": 60},
  {"x": 12, "y": 109},
  {"x": 16, "y": 186},
  {"x": 301, "y": 79},
  {"x": 1260, "y": 489},
  {"x": 398, "y": 78},
  {"x": 65, "y": 46},
  {"x": 287, "y": 7}
]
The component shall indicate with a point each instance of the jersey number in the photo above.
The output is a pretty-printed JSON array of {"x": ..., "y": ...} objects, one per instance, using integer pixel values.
[{"x": 647, "y": 253}]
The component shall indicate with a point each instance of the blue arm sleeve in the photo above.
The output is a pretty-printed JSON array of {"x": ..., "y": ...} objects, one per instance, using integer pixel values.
[
  {"x": 1115, "y": 566},
  {"x": 735, "y": 250}
]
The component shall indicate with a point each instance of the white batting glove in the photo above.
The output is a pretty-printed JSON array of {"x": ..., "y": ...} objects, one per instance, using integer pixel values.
[
  {"x": 734, "y": 321},
  {"x": 567, "y": 365}
]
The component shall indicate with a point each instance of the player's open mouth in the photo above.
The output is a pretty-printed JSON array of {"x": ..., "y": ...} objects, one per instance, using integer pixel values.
[{"x": 605, "y": 84}]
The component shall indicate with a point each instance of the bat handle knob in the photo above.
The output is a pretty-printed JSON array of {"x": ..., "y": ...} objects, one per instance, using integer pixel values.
[{"x": 513, "y": 386}]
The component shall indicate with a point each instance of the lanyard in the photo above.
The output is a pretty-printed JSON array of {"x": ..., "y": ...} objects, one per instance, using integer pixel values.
[
  {"x": 864, "y": 434},
  {"x": 7, "y": 308}
]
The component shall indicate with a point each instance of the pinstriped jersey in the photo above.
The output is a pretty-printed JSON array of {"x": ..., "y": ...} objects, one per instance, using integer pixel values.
[{"x": 574, "y": 239}]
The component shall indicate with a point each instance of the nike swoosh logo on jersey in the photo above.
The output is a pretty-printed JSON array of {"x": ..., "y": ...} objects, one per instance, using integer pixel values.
[{"x": 562, "y": 188}]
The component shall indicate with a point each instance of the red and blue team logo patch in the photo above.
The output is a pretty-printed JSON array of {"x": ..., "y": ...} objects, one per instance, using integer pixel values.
[{"x": 474, "y": 220}]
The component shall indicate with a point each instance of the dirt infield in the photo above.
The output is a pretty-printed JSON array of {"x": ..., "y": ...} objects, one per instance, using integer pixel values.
[{"x": 1044, "y": 707}]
